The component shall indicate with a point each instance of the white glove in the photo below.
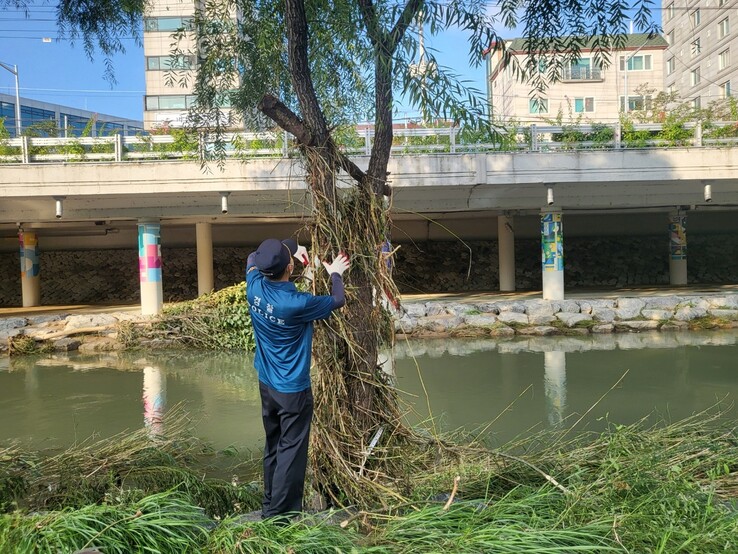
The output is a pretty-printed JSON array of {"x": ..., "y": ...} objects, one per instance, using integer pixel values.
[
  {"x": 339, "y": 265},
  {"x": 301, "y": 254}
]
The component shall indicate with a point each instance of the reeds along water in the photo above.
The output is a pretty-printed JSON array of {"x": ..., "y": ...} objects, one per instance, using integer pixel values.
[{"x": 635, "y": 488}]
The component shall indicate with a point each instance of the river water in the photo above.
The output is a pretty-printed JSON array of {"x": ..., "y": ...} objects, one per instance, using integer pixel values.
[{"x": 501, "y": 389}]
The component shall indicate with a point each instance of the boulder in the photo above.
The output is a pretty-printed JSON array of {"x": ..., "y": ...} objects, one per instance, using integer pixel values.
[
  {"x": 657, "y": 315},
  {"x": 629, "y": 308},
  {"x": 480, "y": 320},
  {"x": 538, "y": 331},
  {"x": 638, "y": 325},
  {"x": 571, "y": 319},
  {"x": 688, "y": 313},
  {"x": 89, "y": 320},
  {"x": 513, "y": 317}
]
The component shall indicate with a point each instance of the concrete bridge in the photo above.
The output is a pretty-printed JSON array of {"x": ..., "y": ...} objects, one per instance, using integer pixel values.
[{"x": 67, "y": 205}]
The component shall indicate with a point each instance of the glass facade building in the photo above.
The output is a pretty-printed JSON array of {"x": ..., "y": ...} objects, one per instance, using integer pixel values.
[{"x": 43, "y": 119}]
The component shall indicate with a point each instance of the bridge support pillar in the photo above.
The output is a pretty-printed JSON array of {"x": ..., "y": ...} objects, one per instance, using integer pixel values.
[
  {"x": 552, "y": 254},
  {"x": 677, "y": 248},
  {"x": 506, "y": 252},
  {"x": 149, "y": 265},
  {"x": 30, "y": 269},
  {"x": 204, "y": 238}
]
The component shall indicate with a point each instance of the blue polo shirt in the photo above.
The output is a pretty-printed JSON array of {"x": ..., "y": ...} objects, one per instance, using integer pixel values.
[{"x": 282, "y": 317}]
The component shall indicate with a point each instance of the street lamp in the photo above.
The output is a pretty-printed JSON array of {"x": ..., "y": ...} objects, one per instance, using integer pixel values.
[{"x": 14, "y": 70}]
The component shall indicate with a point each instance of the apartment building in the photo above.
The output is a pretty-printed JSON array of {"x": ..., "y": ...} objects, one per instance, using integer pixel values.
[
  {"x": 169, "y": 79},
  {"x": 588, "y": 89},
  {"x": 702, "y": 40}
]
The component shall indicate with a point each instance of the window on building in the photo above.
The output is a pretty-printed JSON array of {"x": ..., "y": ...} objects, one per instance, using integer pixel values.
[
  {"x": 73, "y": 124},
  {"x": 7, "y": 112},
  {"x": 583, "y": 69},
  {"x": 168, "y": 24},
  {"x": 170, "y": 102},
  {"x": 636, "y": 63},
  {"x": 636, "y": 103},
  {"x": 696, "y": 103},
  {"x": 723, "y": 28},
  {"x": 166, "y": 63},
  {"x": 695, "y": 18},
  {"x": 669, "y": 13},
  {"x": 721, "y": 3},
  {"x": 670, "y": 38},
  {"x": 725, "y": 89},
  {"x": 694, "y": 77},
  {"x": 538, "y": 105},
  {"x": 44, "y": 122},
  {"x": 670, "y": 65},
  {"x": 671, "y": 89},
  {"x": 584, "y": 105},
  {"x": 724, "y": 59},
  {"x": 695, "y": 47}
]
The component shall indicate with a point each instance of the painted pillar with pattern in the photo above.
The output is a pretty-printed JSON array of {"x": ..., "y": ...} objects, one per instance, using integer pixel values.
[
  {"x": 30, "y": 269},
  {"x": 149, "y": 266},
  {"x": 552, "y": 255}
]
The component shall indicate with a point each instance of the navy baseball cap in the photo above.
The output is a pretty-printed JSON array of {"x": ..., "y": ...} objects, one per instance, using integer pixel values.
[{"x": 273, "y": 255}]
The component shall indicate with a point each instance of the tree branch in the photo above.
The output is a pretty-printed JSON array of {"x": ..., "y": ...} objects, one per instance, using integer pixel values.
[
  {"x": 371, "y": 21},
  {"x": 299, "y": 64},
  {"x": 277, "y": 111},
  {"x": 403, "y": 22}
]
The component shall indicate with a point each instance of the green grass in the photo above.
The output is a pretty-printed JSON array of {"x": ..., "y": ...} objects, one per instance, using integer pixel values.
[{"x": 668, "y": 488}]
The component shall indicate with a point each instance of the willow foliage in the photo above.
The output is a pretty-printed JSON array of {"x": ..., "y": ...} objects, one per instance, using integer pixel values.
[{"x": 311, "y": 66}]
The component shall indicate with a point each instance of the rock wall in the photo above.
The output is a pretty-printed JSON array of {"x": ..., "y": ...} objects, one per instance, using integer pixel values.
[{"x": 93, "y": 276}]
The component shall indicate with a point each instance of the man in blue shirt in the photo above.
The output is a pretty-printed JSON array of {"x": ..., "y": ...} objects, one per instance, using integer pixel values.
[{"x": 282, "y": 319}]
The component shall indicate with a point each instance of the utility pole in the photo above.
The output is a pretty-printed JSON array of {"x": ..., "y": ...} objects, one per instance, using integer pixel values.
[{"x": 14, "y": 70}]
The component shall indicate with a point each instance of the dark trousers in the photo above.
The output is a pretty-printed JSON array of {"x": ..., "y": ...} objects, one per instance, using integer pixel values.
[{"x": 286, "y": 418}]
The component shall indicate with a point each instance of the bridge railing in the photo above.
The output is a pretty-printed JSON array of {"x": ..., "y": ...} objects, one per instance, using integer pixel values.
[{"x": 533, "y": 138}]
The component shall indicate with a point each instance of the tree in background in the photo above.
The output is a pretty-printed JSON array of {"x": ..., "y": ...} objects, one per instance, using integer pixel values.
[{"x": 310, "y": 67}]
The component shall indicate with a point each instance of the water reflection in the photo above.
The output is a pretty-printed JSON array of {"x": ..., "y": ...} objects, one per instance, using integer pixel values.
[
  {"x": 554, "y": 379},
  {"x": 154, "y": 398},
  {"x": 518, "y": 384},
  {"x": 524, "y": 384}
]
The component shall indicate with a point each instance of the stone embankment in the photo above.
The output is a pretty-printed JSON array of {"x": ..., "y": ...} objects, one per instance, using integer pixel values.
[
  {"x": 432, "y": 318},
  {"x": 569, "y": 317}
]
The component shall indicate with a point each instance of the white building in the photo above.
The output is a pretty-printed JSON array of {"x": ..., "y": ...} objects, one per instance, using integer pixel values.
[
  {"x": 702, "y": 42},
  {"x": 597, "y": 93},
  {"x": 166, "y": 103}
]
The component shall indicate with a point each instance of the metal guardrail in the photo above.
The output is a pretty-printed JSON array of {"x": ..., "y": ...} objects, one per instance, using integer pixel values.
[{"x": 533, "y": 138}]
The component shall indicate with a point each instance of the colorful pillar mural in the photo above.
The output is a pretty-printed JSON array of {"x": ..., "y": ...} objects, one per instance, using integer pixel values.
[
  {"x": 30, "y": 269},
  {"x": 678, "y": 248},
  {"x": 552, "y": 255},
  {"x": 149, "y": 265},
  {"x": 506, "y": 252}
]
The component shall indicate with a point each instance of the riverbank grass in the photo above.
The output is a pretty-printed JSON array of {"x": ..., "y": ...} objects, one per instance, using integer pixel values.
[{"x": 635, "y": 488}]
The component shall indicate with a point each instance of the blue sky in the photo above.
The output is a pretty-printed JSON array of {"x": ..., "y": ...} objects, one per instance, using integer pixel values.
[{"x": 60, "y": 72}]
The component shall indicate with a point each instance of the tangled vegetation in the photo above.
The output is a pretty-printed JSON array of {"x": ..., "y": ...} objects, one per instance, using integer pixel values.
[
  {"x": 216, "y": 321},
  {"x": 637, "y": 488}
]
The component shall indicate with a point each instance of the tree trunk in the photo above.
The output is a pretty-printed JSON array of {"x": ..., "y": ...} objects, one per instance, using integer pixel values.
[{"x": 357, "y": 426}]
